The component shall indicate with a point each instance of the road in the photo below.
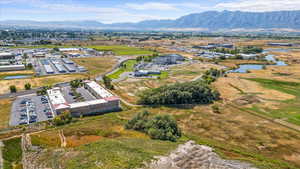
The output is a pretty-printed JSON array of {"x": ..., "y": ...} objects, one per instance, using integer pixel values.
[{"x": 28, "y": 92}]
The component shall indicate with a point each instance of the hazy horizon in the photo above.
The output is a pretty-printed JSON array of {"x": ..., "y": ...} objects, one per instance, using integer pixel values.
[{"x": 118, "y": 11}]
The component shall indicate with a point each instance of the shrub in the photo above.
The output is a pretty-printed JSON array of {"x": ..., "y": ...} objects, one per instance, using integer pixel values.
[
  {"x": 27, "y": 86},
  {"x": 13, "y": 89},
  {"x": 63, "y": 118},
  {"x": 107, "y": 82},
  {"x": 162, "y": 127}
]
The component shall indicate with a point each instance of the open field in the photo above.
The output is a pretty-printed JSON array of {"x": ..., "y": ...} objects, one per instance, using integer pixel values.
[
  {"x": 96, "y": 65},
  {"x": 231, "y": 133},
  {"x": 123, "y": 50},
  {"x": 37, "y": 81},
  {"x": 5, "y": 106},
  {"x": 130, "y": 88},
  {"x": 12, "y": 153}
]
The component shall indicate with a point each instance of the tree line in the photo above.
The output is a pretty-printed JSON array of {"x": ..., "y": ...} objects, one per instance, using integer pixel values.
[
  {"x": 197, "y": 92},
  {"x": 162, "y": 127}
]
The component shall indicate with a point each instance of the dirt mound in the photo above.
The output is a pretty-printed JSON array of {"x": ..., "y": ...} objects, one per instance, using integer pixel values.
[{"x": 194, "y": 156}]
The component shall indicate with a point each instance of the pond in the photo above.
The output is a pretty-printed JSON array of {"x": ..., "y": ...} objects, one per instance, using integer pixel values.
[
  {"x": 245, "y": 68},
  {"x": 17, "y": 77}
]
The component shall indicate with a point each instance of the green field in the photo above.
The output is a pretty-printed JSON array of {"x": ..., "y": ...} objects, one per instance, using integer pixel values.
[
  {"x": 45, "y": 46},
  {"x": 12, "y": 153},
  {"x": 289, "y": 109},
  {"x": 123, "y": 50},
  {"x": 127, "y": 67}
]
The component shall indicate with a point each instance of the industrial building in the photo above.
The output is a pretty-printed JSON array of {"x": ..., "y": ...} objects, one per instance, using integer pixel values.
[
  {"x": 280, "y": 44},
  {"x": 6, "y": 55},
  {"x": 103, "y": 101},
  {"x": 168, "y": 59},
  {"x": 11, "y": 68}
]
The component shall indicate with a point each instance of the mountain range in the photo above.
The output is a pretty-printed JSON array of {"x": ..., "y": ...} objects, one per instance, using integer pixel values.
[{"x": 210, "y": 20}]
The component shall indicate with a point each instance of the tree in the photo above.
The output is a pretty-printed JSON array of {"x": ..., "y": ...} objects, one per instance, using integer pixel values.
[
  {"x": 162, "y": 127},
  {"x": 76, "y": 83},
  {"x": 107, "y": 82},
  {"x": 27, "y": 86},
  {"x": 198, "y": 92},
  {"x": 64, "y": 118},
  {"x": 13, "y": 89}
]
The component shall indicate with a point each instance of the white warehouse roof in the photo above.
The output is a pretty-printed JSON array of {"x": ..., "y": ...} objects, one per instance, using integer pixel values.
[
  {"x": 98, "y": 89},
  {"x": 56, "y": 97}
]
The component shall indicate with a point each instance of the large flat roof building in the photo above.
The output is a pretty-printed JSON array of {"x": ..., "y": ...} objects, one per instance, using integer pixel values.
[
  {"x": 104, "y": 101},
  {"x": 7, "y": 55}
]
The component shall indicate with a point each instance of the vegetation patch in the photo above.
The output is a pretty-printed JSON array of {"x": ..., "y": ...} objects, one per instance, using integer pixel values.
[
  {"x": 5, "y": 108},
  {"x": 46, "y": 139},
  {"x": 127, "y": 66},
  {"x": 287, "y": 109},
  {"x": 162, "y": 127},
  {"x": 198, "y": 92},
  {"x": 12, "y": 153},
  {"x": 123, "y": 50}
]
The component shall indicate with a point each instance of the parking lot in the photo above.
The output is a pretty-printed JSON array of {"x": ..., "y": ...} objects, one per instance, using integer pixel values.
[
  {"x": 30, "y": 109},
  {"x": 51, "y": 66}
]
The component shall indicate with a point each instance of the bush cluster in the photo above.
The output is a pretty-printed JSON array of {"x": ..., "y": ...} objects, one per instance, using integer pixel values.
[
  {"x": 162, "y": 127},
  {"x": 63, "y": 118},
  {"x": 198, "y": 92}
]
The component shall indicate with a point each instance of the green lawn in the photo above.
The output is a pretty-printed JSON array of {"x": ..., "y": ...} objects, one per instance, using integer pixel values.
[
  {"x": 12, "y": 153},
  {"x": 127, "y": 67},
  {"x": 123, "y": 50},
  {"x": 288, "y": 109}
]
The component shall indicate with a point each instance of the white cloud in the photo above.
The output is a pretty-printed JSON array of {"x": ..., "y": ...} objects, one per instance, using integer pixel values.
[
  {"x": 152, "y": 6},
  {"x": 260, "y": 5}
]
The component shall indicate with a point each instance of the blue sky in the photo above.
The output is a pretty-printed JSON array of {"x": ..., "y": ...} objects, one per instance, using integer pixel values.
[{"x": 111, "y": 11}]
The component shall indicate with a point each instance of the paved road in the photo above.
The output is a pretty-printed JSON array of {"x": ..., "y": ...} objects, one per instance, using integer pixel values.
[{"x": 28, "y": 92}]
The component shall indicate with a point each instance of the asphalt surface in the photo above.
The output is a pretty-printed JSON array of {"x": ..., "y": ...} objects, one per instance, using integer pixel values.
[{"x": 39, "y": 109}]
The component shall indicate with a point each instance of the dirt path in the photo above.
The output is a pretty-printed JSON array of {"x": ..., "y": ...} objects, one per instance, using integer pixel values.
[
  {"x": 26, "y": 147},
  {"x": 62, "y": 138}
]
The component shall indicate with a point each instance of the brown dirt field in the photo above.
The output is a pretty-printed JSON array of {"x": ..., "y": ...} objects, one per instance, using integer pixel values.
[
  {"x": 234, "y": 63},
  {"x": 17, "y": 72},
  {"x": 5, "y": 107},
  {"x": 46, "y": 139},
  {"x": 96, "y": 65},
  {"x": 229, "y": 88},
  {"x": 238, "y": 128},
  {"x": 75, "y": 141}
]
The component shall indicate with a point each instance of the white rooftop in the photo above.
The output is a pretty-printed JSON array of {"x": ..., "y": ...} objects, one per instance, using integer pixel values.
[
  {"x": 56, "y": 97},
  {"x": 68, "y": 49},
  {"x": 87, "y": 103},
  {"x": 5, "y": 54},
  {"x": 98, "y": 89}
]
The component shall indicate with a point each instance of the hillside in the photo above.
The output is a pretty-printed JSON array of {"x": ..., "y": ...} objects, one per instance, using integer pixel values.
[{"x": 211, "y": 20}]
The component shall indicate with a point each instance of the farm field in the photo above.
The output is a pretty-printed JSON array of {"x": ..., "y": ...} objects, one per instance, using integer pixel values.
[
  {"x": 96, "y": 65},
  {"x": 123, "y": 50}
]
